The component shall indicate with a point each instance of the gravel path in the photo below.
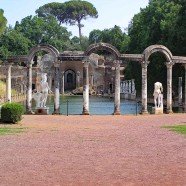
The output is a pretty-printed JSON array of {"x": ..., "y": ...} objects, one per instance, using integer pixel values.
[{"x": 94, "y": 150}]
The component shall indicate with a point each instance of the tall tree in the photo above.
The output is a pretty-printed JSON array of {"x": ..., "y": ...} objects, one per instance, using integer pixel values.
[
  {"x": 161, "y": 22},
  {"x": 71, "y": 12},
  {"x": 3, "y": 22},
  {"x": 44, "y": 30},
  {"x": 13, "y": 43}
]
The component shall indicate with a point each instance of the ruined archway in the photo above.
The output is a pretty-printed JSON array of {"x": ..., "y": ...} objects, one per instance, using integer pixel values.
[
  {"x": 103, "y": 46},
  {"x": 157, "y": 48},
  {"x": 47, "y": 48}
]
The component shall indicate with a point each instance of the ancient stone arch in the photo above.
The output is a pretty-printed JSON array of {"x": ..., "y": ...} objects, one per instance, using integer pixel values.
[
  {"x": 157, "y": 48},
  {"x": 103, "y": 46},
  {"x": 46, "y": 48}
]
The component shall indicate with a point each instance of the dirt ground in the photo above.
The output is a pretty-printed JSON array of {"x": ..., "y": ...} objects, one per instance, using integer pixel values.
[{"x": 94, "y": 150}]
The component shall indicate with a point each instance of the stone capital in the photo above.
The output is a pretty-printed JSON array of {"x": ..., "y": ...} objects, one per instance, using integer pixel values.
[
  {"x": 78, "y": 73},
  {"x": 29, "y": 65},
  {"x": 169, "y": 65},
  {"x": 86, "y": 63},
  {"x": 57, "y": 64},
  {"x": 117, "y": 63},
  {"x": 144, "y": 64}
]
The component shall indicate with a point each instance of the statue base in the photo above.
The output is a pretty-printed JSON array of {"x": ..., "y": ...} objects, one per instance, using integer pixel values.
[
  {"x": 42, "y": 111},
  {"x": 157, "y": 110}
]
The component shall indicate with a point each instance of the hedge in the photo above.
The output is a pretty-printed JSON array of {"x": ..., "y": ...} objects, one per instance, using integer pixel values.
[{"x": 12, "y": 112}]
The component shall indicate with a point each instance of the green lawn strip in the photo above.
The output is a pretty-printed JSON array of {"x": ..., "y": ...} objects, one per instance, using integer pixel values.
[
  {"x": 177, "y": 128},
  {"x": 11, "y": 130}
]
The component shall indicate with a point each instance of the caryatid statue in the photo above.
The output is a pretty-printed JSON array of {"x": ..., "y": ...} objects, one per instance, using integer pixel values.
[{"x": 158, "y": 96}]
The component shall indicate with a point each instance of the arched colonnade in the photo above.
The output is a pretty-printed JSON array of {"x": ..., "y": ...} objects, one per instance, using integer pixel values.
[{"x": 119, "y": 60}]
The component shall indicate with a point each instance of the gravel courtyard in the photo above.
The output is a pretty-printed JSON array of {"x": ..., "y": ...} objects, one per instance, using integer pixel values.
[{"x": 94, "y": 150}]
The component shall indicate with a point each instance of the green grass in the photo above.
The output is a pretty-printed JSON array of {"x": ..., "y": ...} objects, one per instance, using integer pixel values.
[
  {"x": 11, "y": 130},
  {"x": 177, "y": 128}
]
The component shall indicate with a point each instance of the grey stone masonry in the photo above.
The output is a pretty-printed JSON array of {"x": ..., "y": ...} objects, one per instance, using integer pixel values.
[
  {"x": 85, "y": 89},
  {"x": 144, "y": 87},
  {"x": 8, "y": 84},
  {"x": 29, "y": 89},
  {"x": 56, "y": 89},
  {"x": 169, "y": 87},
  {"x": 117, "y": 88}
]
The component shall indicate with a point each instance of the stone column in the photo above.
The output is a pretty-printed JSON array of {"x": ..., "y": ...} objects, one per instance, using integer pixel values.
[
  {"x": 180, "y": 95},
  {"x": 85, "y": 88},
  {"x": 144, "y": 87},
  {"x": 50, "y": 81},
  {"x": 62, "y": 83},
  {"x": 117, "y": 88},
  {"x": 8, "y": 84},
  {"x": 185, "y": 91},
  {"x": 91, "y": 80},
  {"x": 77, "y": 79},
  {"x": 29, "y": 89},
  {"x": 169, "y": 87},
  {"x": 56, "y": 89}
]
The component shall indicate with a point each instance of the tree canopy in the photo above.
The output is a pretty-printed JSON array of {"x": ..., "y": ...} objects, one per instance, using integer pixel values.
[
  {"x": 71, "y": 12},
  {"x": 114, "y": 36},
  {"x": 161, "y": 22},
  {"x": 3, "y": 22}
]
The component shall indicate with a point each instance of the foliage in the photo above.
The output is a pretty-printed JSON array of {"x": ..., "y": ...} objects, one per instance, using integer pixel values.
[
  {"x": 45, "y": 30},
  {"x": 114, "y": 36},
  {"x": 161, "y": 22},
  {"x": 3, "y": 22},
  {"x": 13, "y": 43},
  {"x": 11, "y": 112},
  {"x": 71, "y": 12}
]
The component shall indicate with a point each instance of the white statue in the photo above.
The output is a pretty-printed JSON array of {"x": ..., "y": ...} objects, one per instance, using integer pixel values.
[
  {"x": 44, "y": 89},
  {"x": 40, "y": 97},
  {"x": 37, "y": 97},
  {"x": 158, "y": 96}
]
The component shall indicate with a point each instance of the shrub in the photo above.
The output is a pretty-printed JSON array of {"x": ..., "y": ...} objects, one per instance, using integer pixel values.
[{"x": 11, "y": 112}]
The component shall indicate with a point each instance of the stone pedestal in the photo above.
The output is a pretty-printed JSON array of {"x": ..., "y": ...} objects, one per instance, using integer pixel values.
[
  {"x": 42, "y": 111},
  {"x": 157, "y": 110}
]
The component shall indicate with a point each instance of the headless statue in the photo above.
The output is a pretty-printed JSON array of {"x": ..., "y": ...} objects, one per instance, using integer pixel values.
[{"x": 158, "y": 96}]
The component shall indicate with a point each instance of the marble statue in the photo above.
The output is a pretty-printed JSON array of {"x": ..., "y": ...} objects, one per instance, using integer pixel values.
[
  {"x": 40, "y": 97},
  {"x": 158, "y": 96},
  {"x": 37, "y": 98}
]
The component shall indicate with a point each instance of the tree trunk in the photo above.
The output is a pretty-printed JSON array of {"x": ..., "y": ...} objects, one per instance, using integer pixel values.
[{"x": 80, "y": 35}]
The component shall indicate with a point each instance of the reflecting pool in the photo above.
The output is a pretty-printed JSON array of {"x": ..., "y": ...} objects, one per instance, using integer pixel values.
[{"x": 73, "y": 105}]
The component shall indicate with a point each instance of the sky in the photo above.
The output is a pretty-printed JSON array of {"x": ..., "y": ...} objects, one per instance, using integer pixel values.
[{"x": 111, "y": 12}]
